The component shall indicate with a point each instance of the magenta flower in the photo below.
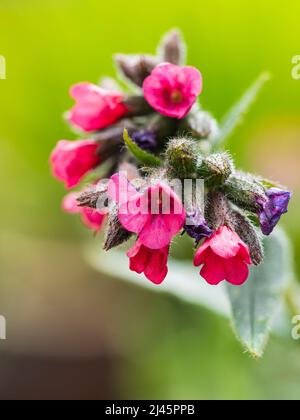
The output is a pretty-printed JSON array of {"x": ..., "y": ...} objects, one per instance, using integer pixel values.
[
  {"x": 172, "y": 90},
  {"x": 224, "y": 256},
  {"x": 92, "y": 218},
  {"x": 96, "y": 108},
  {"x": 151, "y": 262},
  {"x": 155, "y": 215},
  {"x": 71, "y": 160}
]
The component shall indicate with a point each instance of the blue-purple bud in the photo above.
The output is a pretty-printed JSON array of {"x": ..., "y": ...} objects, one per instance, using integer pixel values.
[
  {"x": 145, "y": 139},
  {"x": 273, "y": 208},
  {"x": 196, "y": 226}
]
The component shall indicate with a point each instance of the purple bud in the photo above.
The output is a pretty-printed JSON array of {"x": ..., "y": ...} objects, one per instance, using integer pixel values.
[
  {"x": 273, "y": 208},
  {"x": 145, "y": 139},
  {"x": 196, "y": 226}
]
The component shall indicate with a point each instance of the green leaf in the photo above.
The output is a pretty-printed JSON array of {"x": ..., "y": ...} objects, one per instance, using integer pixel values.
[
  {"x": 252, "y": 306},
  {"x": 255, "y": 304},
  {"x": 148, "y": 159},
  {"x": 237, "y": 112}
]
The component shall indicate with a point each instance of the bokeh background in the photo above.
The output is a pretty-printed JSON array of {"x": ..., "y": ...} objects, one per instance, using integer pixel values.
[{"x": 73, "y": 333}]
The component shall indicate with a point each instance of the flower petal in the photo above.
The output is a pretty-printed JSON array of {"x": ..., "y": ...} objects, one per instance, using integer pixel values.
[
  {"x": 236, "y": 271},
  {"x": 132, "y": 220},
  {"x": 95, "y": 108},
  {"x": 72, "y": 160},
  {"x": 157, "y": 269},
  {"x": 139, "y": 258},
  {"x": 120, "y": 190},
  {"x": 70, "y": 204},
  {"x": 213, "y": 270},
  {"x": 156, "y": 233},
  {"x": 92, "y": 218},
  {"x": 225, "y": 243}
]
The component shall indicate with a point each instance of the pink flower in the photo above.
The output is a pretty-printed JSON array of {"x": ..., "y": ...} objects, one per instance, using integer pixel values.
[
  {"x": 96, "y": 108},
  {"x": 153, "y": 263},
  {"x": 224, "y": 257},
  {"x": 155, "y": 215},
  {"x": 91, "y": 218},
  {"x": 172, "y": 90},
  {"x": 71, "y": 160}
]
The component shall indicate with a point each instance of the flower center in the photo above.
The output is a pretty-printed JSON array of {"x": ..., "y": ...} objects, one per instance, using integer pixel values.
[{"x": 176, "y": 96}]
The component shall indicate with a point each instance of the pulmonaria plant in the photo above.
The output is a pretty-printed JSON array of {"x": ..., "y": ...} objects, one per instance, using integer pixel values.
[{"x": 139, "y": 142}]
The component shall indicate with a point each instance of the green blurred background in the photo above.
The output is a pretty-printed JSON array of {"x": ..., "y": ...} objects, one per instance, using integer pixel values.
[{"x": 71, "y": 332}]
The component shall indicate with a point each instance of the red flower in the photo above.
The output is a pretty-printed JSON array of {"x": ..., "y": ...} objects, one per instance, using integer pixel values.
[
  {"x": 92, "y": 218},
  {"x": 224, "y": 256},
  {"x": 71, "y": 160},
  {"x": 96, "y": 108},
  {"x": 155, "y": 215},
  {"x": 172, "y": 90},
  {"x": 153, "y": 263}
]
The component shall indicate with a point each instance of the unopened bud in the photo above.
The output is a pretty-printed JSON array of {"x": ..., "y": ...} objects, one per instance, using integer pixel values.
[
  {"x": 146, "y": 140},
  {"x": 201, "y": 125},
  {"x": 216, "y": 209},
  {"x": 162, "y": 126},
  {"x": 88, "y": 199},
  {"x": 114, "y": 134},
  {"x": 215, "y": 169},
  {"x": 116, "y": 235},
  {"x": 245, "y": 191},
  {"x": 93, "y": 197},
  {"x": 181, "y": 158},
  {"x": 172, "y": 48},
  {"x": 135, "y": 68},
  {"x": 137, "y": 106},
  {"x": 248, "y": 233}
]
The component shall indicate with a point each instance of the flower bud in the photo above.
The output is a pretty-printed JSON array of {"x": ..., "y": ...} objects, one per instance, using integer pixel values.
[
  {"x": 145, "y": 139},
  {"x": 137, "y": 106},
  {"x": 72, "y": 160},
  {"x": 248, "y": 233},
  {"x": 114, "y": 134},
  {"x": 94, "y": 197},
  {"x": 245, "y": 191},
  {"x": 215, "y": 169},
  {"x": 181, "y": 158},
  {"x": 216, "y": 209},
  {"x": 172, "y": 48},
  {"x": 135, "y": 68},
  {"x": 116, "y": 235},
  {"x": 95, "y": 108},
  {"x": 88, "y": 199},
  {"x": 201, "y": 125},
  {"x": 163, "y": 127}
]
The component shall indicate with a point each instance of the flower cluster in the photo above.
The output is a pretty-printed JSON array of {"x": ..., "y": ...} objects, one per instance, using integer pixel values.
[{"x": 143, "y": 139}]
